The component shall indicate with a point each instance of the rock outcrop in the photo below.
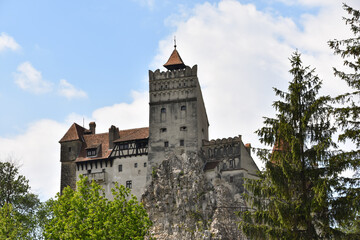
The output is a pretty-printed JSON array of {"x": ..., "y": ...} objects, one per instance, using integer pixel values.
[{"x": 183, "y": 204}]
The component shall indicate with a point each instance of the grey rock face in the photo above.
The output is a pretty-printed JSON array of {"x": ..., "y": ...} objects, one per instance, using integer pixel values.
[{"x": 183, "y": 205}]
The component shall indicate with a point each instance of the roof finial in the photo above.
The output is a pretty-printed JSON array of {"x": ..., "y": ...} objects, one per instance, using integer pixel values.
[{"x": 175, "y": 42}]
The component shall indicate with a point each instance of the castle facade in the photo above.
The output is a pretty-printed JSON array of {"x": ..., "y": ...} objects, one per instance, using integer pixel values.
[{"x": 178, "y": 124}]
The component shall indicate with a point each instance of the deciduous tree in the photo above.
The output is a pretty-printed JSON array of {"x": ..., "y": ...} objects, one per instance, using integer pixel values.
[
  {"x": 17, "y": 200},
  {"x": 87, "y": 214}
]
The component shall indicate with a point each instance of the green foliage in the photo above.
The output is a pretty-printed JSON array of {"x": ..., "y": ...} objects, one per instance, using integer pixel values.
[
  {"x": 17, "y": 200},
  {"x": 10, "y": 224},
  {"x": 87, "y": 214},
  {"x": 154, "y": 173},
  {"x": 293, "y": 196},
  {"x": 347, "y": 115}
]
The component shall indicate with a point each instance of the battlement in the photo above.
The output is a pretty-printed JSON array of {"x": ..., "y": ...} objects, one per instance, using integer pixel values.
[
  {"x": 222, "y": 141},
  {"x": 186, "y": 72}
]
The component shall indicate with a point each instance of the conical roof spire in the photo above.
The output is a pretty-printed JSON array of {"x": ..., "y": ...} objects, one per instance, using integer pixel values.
[{"x": 175, "y": 62}]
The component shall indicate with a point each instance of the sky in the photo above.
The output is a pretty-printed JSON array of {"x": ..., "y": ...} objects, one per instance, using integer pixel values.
[{"x": 81, "y": 61}]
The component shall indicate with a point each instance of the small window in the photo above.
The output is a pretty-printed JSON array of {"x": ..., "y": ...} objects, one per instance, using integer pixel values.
[
  {"x": 231, "y": 179},
  {"x": 124, "y": 146},
  {"x": 183, "y": 128},
  {"x": 231, "y": 163},
  {"x": 89, "y": 171},
  {"x": 120, "y": 168},
  {"x": 129, "y": 184},
  {"x": 183, "y": 108},
  {"x": 166, "y": 144},
  {"x": 69, "y": 149},
  {"x": 163, "y": 130},
  {"x": 163, "y": 110},
  {"x": 181, "y": 142},
  {"x": 91, "y": 152},
  {"x": 144, "y": 164},
  {"x": 135, "y": 165}
]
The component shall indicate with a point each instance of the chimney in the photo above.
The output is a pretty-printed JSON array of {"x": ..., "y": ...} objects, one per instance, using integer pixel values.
[
  {"x": 248, "y": 148},
  {"x": 113, "y": 135},
  {"x": 92, "y": 127}
]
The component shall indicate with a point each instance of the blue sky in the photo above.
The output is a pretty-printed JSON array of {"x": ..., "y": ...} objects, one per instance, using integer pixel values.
[
  {"x": 65, "y": 61},
  {"x": 103, "y": 48}
]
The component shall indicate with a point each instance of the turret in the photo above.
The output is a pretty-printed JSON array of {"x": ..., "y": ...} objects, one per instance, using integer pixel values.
[{"x": 178, "y": 119}]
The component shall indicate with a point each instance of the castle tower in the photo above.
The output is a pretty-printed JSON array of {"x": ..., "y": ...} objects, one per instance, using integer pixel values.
[{"x": 178, "y": 120}]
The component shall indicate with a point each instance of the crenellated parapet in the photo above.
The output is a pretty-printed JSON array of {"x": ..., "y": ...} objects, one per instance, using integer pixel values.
[
  {"x": 173, "y": 85},
  {"x": 222, "y": 148},
  {"x": 180, "y": 73}
]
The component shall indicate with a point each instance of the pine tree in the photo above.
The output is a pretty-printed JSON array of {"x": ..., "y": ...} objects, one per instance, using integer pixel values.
[
  {"x": 293, "y": 197},
  {"x": 347, "y": 116}
]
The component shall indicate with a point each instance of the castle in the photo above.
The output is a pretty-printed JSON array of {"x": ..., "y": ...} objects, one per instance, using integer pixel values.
[{"x": 178, "y": 125}]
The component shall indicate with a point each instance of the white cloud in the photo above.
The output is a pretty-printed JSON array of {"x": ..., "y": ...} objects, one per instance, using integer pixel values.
[
  {"x": 38, "y": 149},
  {"x": 243, "y": 52},
  {"x": 7, "y": 42},
  {"x": 124, "y": 115},
  {"x": 69, "y": 91},
  {"x": 30, "y": 79}
]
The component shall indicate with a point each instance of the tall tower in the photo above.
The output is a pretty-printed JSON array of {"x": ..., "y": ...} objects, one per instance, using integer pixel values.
[{"x": 178, "y": 119}]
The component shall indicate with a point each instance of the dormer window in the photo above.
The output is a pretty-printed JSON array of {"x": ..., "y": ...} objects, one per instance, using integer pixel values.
[{"x": 91, "y": 152}]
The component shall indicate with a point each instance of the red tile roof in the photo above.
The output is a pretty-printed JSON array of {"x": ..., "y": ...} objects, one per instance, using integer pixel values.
[
  {"x": 74, "y": 133},
  {"x": 175, "y": 61},
  {"x": 102, "y": 140},
  {"x": 133, "y": 134}
]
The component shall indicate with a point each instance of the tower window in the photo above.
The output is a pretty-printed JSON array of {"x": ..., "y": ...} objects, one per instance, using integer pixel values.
[
  {"x": 163, "y": 130},
  {"x": 182, "y": 142},
  {"x": 163, "y": 110},
  {"x": 166, "y": 144},
  {"x": 183, "y": 128},
  {"x": 129, "y": 184},
  {"x": 120, "y": 168},
  {"x": 183, "y": 108},
  {"x": 135, "y": 165},
  {"x": 231, "y": 163}
]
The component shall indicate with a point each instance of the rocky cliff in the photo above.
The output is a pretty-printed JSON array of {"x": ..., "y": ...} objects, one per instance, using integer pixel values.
[{"x": 184, "y": 204}]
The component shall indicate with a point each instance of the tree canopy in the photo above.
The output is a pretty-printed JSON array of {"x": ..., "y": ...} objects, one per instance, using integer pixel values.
[
  {"x": 347, "y": 113},
  {"x": 18, "y": 205},
  {"x": 291, "y": 200},
  {"x": 87, "y": 214}
]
